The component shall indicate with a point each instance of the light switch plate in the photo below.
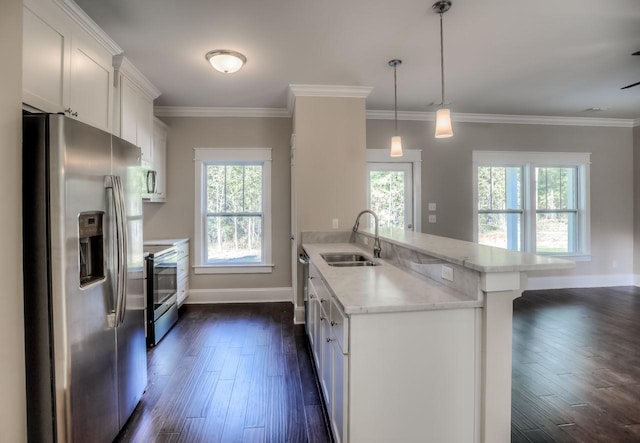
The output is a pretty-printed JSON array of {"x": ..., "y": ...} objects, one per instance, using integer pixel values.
[
  {"x": 432, "y": 206},
  {"x": 447, "y": 273},
  {"x": 432, "y": 218},
  {"x": 334, "y": 223}
]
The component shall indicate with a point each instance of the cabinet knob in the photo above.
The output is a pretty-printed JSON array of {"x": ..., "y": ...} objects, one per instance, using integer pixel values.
[
  {"x": 321, "y": 318},
  {"x": 333, "y": 323},
  {"x": 311, "y": 296},
  {"x": 329, "y": 339}
]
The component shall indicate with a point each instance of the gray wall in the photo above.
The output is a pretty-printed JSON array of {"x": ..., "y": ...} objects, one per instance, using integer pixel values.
[
  {"x": 12, "y": 384},
  {"x": 447, "y": 178},
  {"x": 636, "y": 194},
  {"x": 175, "y": 217}
]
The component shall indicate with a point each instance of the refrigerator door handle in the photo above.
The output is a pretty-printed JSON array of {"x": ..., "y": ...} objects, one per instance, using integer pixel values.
[{"x": 114, "y": 182}]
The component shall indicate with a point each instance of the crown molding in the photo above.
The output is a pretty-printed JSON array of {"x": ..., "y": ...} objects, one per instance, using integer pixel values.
[
  {"x": 185, "y": 111},
  {"x": 508, "y": 119},
  {"x": 85, "y": 22},
  {"x": 334, "y": 91},
  {"x": 190, "y": 111},
  {"x": 122, "y": 65}
]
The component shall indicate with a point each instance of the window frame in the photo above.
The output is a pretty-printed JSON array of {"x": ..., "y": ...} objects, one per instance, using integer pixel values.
[
  {"x": 230, "y": 156},
  {"x": 528, "y": 161}
]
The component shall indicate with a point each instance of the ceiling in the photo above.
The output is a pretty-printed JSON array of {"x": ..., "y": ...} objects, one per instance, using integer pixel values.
[{"x": 540, "y": 57}]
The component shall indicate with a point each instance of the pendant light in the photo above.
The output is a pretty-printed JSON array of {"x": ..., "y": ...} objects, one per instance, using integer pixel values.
[
  {"x": 396, "y": 141},
  {"x": 443, "y": 115}
]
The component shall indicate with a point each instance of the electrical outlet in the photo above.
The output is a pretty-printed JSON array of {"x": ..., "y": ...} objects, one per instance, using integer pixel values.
[
  {"x": 432, "y": 218},
  {"x": 334, "y": 223},
  {"x": 432, "y": 206},
  {"x": 447, "y": 273}
]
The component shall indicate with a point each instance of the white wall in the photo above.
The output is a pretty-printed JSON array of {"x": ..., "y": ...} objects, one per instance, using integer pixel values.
[
  {"x": 12, "y": 383},
  {"x": 447, "y": 181}
]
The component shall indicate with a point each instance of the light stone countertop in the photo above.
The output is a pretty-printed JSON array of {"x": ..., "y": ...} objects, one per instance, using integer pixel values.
[
  {"x": 471, "y": 255},
  {"x": 383, "y": 288},
  {"x": 166, "y": 241}
]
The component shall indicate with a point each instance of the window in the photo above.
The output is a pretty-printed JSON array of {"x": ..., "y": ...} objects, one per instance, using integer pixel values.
[
  {"x": 532, "y": 201},
  {"x": 393, "y": 193},
  {"x": 232, "y": 210}
]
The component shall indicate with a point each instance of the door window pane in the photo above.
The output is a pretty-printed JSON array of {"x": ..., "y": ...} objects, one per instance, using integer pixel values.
[{"x": 387, "y": 197}]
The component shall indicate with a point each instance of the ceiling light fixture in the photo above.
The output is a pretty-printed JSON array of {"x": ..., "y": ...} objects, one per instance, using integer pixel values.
[
  {"x": 226, "y": 60},
  {"x": 396, "y": 141},
  {"x": 443, "y": 116}
]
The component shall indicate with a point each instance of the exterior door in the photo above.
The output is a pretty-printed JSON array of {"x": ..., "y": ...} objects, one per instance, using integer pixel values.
[{"x": 390, "y": 194}]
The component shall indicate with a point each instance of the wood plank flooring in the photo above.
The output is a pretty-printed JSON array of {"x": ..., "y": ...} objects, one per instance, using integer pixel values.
[
  {"x": 230, "y": 373},
  {"x": 576, "y": 366}
]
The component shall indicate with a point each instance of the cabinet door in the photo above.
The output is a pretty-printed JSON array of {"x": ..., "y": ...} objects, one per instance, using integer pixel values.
[
  {"x": 45, "y": 57},
  {"x": 340, "y": 393},
  {"x": 160, "y": 159},
  {"x": 145, "y": 127},
  {"x": 90, "y": 83},
  {"x": 326, "y": 362},
  {"x": 128, "y": 111}
]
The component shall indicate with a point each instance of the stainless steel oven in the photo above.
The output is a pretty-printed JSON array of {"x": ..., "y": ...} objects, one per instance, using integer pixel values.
[{"x": 162, "y": 291}]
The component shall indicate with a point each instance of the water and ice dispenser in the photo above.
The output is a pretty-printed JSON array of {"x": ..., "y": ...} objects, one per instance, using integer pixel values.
[{"x": 91, "y": 247}]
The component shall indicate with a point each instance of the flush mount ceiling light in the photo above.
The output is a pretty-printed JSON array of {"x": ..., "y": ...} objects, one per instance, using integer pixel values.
[
  {"x": 443, "y": 116},
  {"x": 226, "y": 60},
  {"x": 396, "y": 141}
]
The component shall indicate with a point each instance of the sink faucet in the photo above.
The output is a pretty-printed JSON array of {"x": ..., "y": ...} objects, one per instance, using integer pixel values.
[{"x": 376, "y": 244}]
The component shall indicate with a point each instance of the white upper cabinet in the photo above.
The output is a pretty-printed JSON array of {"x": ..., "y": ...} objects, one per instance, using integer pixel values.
[
  {"x": 134, "y": 107},
  {"x": 65, "y": 68},
  {"x": 160, "y": 159}
]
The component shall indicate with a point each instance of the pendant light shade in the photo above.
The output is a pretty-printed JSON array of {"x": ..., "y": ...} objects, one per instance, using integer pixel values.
[
  {"x": 443, "y": 116},
  {"x": 443, "y": 123},
  {"x": 225, "y": 60},
  {"x": 396, "y": 146},
  {"x": 396, "y": 141}
]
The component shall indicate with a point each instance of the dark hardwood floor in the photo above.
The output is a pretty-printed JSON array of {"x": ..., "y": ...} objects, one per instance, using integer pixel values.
[
  {"x": 230, "y": 373},
  {"x": 242, "y": 373},
  {"x": 576, "y": 366}
]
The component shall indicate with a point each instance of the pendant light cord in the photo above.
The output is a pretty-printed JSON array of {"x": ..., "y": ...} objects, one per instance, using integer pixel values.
[
  {"x": 442, "y": 58},
  {"x": 395, "y": 96}
]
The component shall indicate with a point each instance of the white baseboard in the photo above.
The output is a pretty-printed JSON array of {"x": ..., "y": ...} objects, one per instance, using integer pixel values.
[
  {"x": 298, "y": 315},
  {"x": 582, "y": 281},
  {"x": 242, "y": 295}
]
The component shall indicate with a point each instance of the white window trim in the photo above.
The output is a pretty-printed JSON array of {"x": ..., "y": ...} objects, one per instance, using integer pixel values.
[
  {"x": 529, "y": 161},
  {"x": 413, "y": 156},
  {"x": 201, "y": 157}
]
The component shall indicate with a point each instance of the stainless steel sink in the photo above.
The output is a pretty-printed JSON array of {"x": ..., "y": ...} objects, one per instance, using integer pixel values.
[{"x": 344, "y": 259}]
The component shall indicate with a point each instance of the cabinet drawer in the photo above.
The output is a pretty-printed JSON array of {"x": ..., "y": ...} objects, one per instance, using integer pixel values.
[
  {"x": 339, "y": 325},
  {"x": 319, "y": 290},
  {"x": 183, "y": 267},
  {"x": 182, "y": 249},
  {"x": 183, "y": 290}
]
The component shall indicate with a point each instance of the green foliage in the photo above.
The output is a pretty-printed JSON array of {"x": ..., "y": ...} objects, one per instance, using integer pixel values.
[
  {"x": 387, "y": 197},
  {"x": 234, "y": 212}
]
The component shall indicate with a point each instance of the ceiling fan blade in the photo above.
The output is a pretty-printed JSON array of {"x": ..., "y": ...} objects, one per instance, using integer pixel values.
[{"x": 631, "y": 85}]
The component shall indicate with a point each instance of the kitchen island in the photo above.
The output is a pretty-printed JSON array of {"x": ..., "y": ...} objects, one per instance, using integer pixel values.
[{"x": 417, "y": 348}]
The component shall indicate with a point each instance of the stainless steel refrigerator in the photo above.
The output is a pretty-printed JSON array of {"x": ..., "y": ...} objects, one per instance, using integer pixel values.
[{"x": 83, "y": 286}]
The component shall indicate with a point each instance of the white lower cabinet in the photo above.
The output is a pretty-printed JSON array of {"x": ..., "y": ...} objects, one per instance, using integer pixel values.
[
  {"x": 396, "y": 376},
  {"x": 332, "y": 363}
]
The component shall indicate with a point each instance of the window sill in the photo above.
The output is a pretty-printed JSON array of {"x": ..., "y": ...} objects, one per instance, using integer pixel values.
[{"x": 234, "y": 269}]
